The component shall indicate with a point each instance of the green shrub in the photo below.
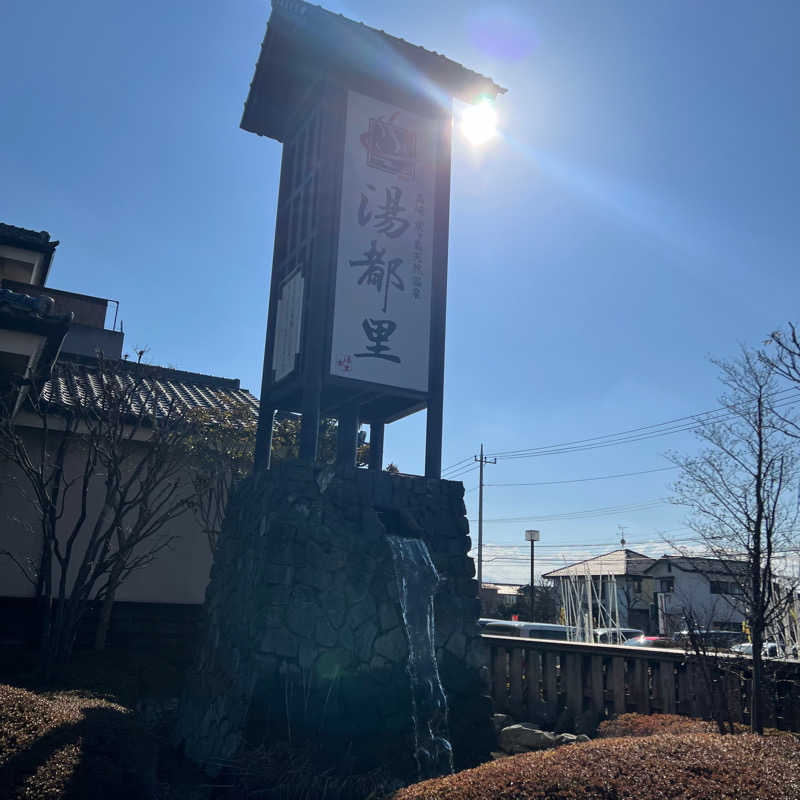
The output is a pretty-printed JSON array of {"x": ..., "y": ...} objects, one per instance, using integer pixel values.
[{"x": 691, "y": 767}]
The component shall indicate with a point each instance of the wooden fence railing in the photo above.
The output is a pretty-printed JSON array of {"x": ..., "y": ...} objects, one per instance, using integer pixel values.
[{"x": 574, "y": 686}]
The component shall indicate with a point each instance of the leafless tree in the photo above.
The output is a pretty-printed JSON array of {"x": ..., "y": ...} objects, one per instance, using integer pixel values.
[
  {"x": 220, "y": 448},
  {"x": 783, "y": 357},
  {"x": 737, "y": 491},
  {"x": 105, "y": 472},
  {"x": 719, "y": 670}
]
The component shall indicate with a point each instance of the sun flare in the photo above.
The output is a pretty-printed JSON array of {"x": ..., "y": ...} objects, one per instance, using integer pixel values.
[{"x": 479, "y": 122}]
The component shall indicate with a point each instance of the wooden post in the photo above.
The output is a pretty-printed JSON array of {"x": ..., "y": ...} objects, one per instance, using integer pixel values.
[
  {"x": 376, "y": 430},
  {"x": 617, "y": 683},
  {"x": 318, "y": 283},
  {"x": 499, "y": 679},
  {"x": 266, "y": 411},
  {"x": 263, "y": 447},
  {"x": 435, "y": 421},
  {"x": 573, "y": 675},
  {"x": 641, "y": 686},
  {"x": 666, "y": 686},
  {"x": 700, "y": 699},
  {"x": 597, "y": 698},
  {"x": 549, "y": 682},
  {"x": 768, "y": 715},
  {"x": 515, "y": 681},
  {"x": 684, "y": 690},
  {"x": 533, "y": 675},
  {"x": 733, "y": 691},
  {"x": 347, "y": 436}
]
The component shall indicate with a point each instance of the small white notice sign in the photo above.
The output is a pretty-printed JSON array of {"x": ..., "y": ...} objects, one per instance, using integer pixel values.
[{"x": 288, "y": 324}]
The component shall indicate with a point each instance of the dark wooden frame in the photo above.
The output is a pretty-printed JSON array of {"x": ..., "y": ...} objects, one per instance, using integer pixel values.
[{"x": 310, "y": 388}]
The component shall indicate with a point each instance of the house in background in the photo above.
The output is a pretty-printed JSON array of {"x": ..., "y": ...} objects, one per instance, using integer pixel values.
[
  {"x": 625, "y": 570},
  {"x": 707, "y": 589},
  {"x": 25, "y": 259},
  {"x": 499, "y": 598},
  {"x": 37, "y": 325},
  {"x": 32, "y": 332}
]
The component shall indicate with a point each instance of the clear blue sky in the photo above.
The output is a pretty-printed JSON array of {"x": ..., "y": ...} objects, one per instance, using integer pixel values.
[{"x": 638, "y": 213}]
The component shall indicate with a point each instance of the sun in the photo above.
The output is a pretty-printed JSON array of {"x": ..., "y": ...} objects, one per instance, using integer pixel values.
[{"x": 479, "y": 122}]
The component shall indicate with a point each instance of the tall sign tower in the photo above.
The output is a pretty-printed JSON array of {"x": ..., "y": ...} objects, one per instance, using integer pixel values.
[{"x": 356, "y": 323}]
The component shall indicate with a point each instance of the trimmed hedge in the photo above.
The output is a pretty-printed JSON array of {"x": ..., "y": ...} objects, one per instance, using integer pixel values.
[
  {"x": 651, "y": 724},
  {"x": 68, "y": 745},
  {"x": 659, "y": 767}
]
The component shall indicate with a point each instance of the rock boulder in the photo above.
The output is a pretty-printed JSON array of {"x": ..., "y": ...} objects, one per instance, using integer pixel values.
[{"x": 524, "y": 737}]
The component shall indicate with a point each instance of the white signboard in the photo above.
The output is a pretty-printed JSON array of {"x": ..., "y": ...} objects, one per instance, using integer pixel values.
[
  {"x": 288, "y": 324},
  {"x": 382, "y": 312}
]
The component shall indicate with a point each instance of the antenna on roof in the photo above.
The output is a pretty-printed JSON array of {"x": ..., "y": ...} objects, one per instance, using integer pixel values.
[{"x": 621, "y": 529}]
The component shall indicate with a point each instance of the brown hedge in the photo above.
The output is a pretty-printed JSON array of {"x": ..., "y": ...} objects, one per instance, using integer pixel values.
[
  {"x": 68, "y": 745},
  {"x": 660, "y": 767},
  {"x": 650, "y": 724}
]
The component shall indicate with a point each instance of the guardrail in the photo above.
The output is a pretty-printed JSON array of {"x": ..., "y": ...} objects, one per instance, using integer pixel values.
[{"x": 574, "y": 686}]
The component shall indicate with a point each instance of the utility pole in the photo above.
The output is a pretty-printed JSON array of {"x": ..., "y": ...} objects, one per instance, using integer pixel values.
[
  {"x": 481, "y": 460},
  {"x": 532, "y": 537}
]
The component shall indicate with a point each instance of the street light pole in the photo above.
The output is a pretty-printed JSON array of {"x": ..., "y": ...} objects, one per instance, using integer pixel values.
[{"x": 532, "y": 537}]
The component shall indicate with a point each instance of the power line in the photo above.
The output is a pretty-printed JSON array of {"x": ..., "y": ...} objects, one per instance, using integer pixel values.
[
  {"x": 588, "y": 513},
  {"x": 462, "y": 471},
  {"x": 585, "y": 480},
  {"x": 689, "y": 422},
  {"x": 466, "y": 460},
  {"x": 677, "y": 425}
]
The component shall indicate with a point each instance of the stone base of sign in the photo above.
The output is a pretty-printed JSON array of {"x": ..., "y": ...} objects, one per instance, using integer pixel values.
[{"x": 304, "y": 640}]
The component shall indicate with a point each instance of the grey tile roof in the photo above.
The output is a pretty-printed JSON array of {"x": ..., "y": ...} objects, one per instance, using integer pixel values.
[
  {"x": 704, "y": 565},
  {"x": 80, "y": 382},
  {"x": 40, "y": 240},
  {"x": 617, "y": 562}
]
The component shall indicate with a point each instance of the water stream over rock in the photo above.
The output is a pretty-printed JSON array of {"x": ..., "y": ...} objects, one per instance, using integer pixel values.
[{"x": 417, "y": 580}]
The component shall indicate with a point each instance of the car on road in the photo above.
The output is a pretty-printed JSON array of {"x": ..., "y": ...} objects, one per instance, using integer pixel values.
[
  {"x": 616, "y": 635},
  {"x": 527, "y": 630},
  {"x": 649, "y": 641},
  {"x": 709, "y": 639},
  {"x": 768, "y": 649}
]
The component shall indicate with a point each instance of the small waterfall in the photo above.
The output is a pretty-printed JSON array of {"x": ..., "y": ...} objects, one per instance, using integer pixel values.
[{"x": 417, "y": 580}]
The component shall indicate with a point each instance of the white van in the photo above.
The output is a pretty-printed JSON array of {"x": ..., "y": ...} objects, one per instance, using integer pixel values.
[{"x": 527, "y": 630}]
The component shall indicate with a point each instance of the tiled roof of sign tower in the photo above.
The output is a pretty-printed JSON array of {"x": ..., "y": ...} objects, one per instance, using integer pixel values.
[
  {"x": 305, "y": 41},
  {"x": 329, "y": 23}
]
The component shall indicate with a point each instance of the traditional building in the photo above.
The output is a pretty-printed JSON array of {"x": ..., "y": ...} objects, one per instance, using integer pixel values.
[{"x": 39, "y": 325}]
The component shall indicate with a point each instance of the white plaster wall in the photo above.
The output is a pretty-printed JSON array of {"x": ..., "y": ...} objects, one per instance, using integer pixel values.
[
  {"x": 178, "y": 574},
  {"x": 693, "y": 592}
]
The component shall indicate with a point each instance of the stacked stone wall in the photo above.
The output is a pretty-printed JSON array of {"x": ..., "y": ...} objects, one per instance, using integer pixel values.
[{"x": 304, "y": 639}]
